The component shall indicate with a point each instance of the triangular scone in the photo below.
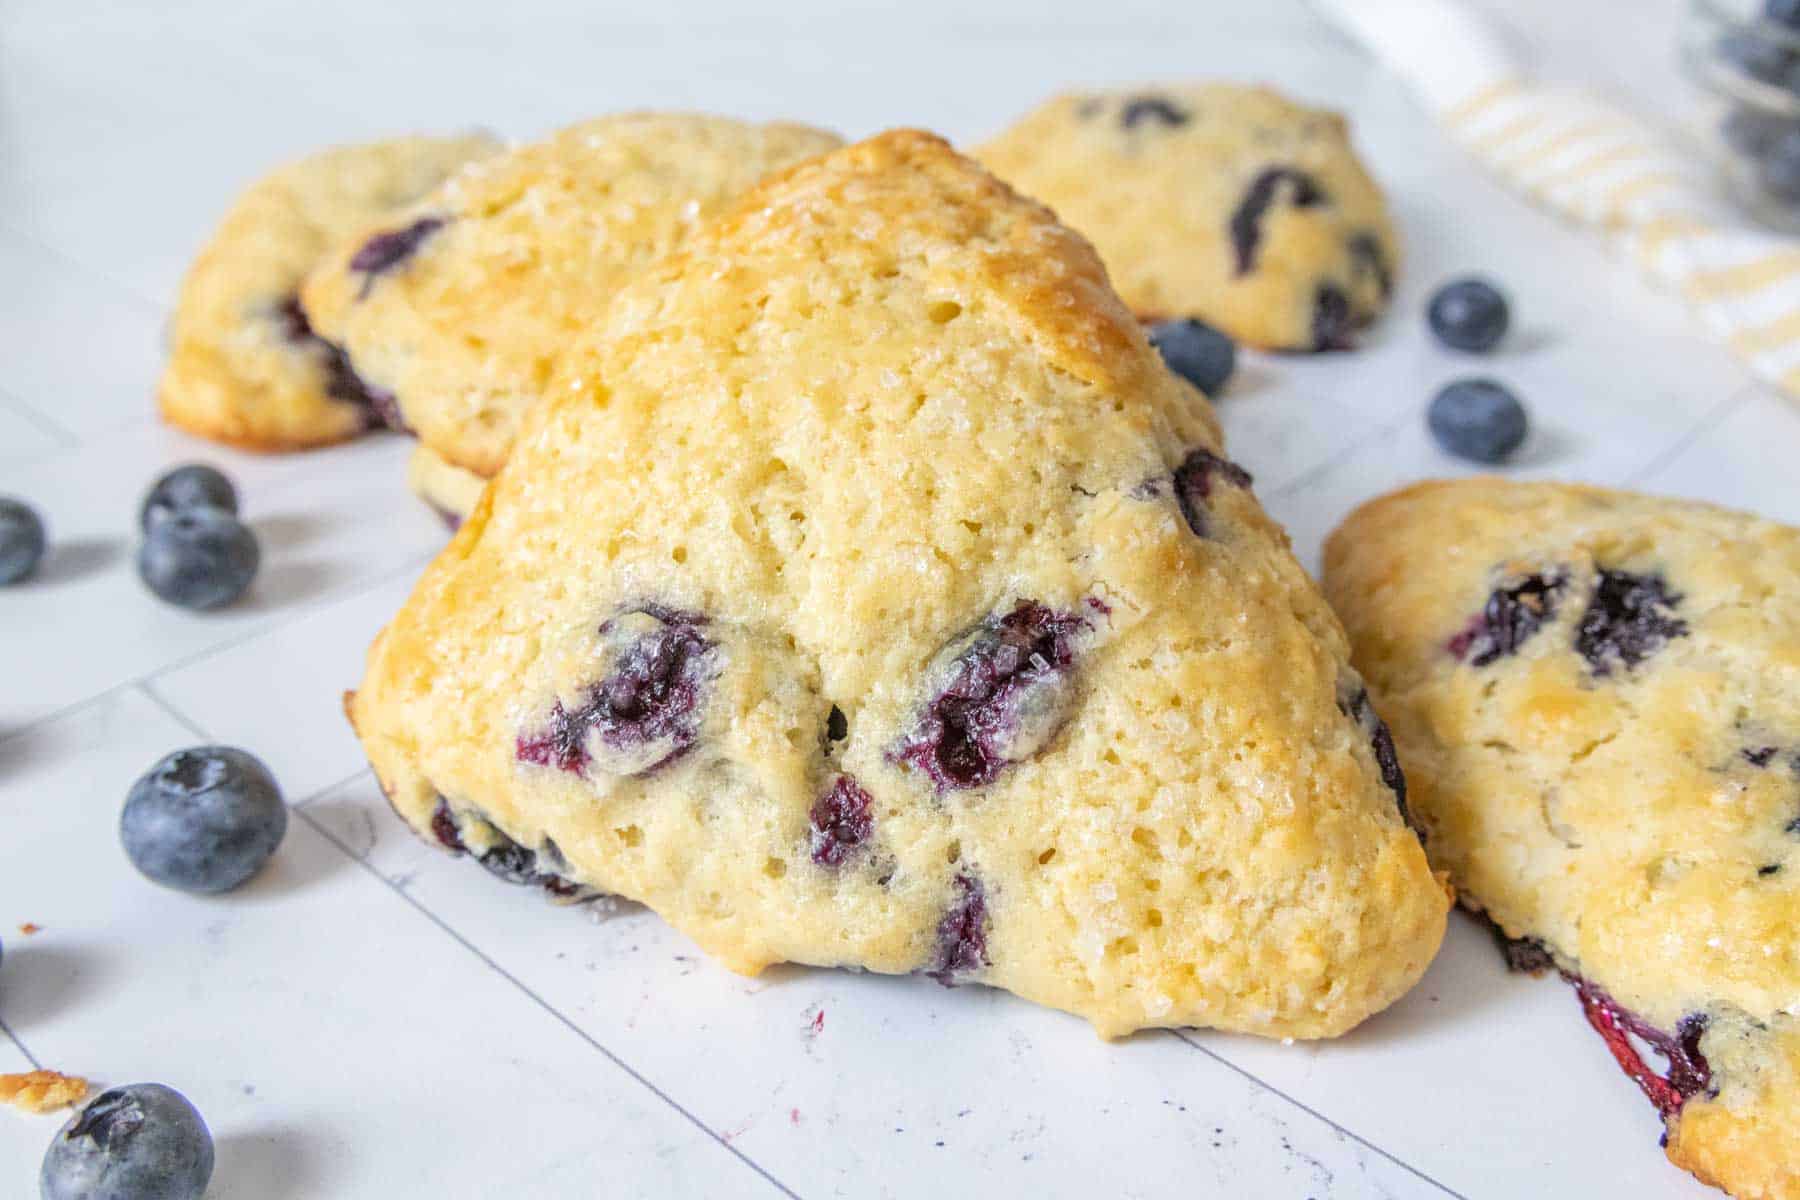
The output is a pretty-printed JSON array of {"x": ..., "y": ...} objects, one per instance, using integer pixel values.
[
  {"x": 1597, "y": 698},
  {"x": 870, "y": 594},
  {"x": 245, "y": 366},
  {"x": 459, "y": 307}
]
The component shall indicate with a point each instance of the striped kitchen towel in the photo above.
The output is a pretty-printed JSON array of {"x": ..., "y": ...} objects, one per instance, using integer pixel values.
[{"x": 1600, "y": 166}]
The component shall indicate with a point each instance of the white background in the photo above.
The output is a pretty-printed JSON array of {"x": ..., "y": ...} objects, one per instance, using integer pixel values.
[{"x": 370, "y": 1018}]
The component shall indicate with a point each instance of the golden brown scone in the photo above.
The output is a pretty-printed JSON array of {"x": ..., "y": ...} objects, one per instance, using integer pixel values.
[
  {"x": 1596, "y": 696},
  {"x": 1228, "y": 203},
  {"x": 459, "y": 307},
  {"x": 446, "y": 487},
  {"x": 245, "y": 367},
  {"x": 42, "y": 1091},
  {"x": 869, "y": 594}
]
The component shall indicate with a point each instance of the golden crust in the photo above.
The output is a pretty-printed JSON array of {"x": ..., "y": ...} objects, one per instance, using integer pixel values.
[
  {"x": 880, "y": 401},
  {"x": 465, "y": 335},
  {"x": 42, "y": 1091},
  {"x": 237, "y": 372},
  {"x": 1635, "y": 819},
  {"x": 1157, "y": 198}
]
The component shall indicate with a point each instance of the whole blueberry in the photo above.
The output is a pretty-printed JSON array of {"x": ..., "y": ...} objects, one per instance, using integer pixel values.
[
  {"x": 1469, "y": 314},
  {"x": 193, "y": 486},
  {"x": 1783, "y": 12},
  {"x": 21, "y": 539},
  {"x": 203, "y": 820},
  {"x": 199, "y": 558},
  {"x": 142, "y": 1141},
  {"x": 1477, "y": 419},
  {"x": 1197, "y": 352}
]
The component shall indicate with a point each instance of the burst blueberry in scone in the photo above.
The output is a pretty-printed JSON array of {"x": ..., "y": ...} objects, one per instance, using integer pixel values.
[
  {"x": 1596, "y": 696},
  {"x": 1227, "y": 203},
  {"x": 246, "y": 366},
  {"x": 869, "y": 594},
  {"x": 459, "y": 306}
]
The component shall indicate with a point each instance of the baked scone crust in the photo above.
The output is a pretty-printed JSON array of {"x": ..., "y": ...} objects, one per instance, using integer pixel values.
[
  {"x": 1225, "y": 202},
  {"x": 521, "y": 255},
  {"x": 1596, "y": 696},
  {"x": 879, "y": 417},
  {"x": 446, "y": 487},
  {"x": 244, "y": 367}
]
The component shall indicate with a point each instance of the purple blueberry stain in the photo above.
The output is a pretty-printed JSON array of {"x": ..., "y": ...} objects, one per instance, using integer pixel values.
[
  {"x": 962, "y": 933},
  {"x": 1629, "y": 618},
  {"x": 1153, "y": 110},
  {"x": 1333, "y": 321},
  {"x": 1513, "y": 613},
  {"x": 1194, "y": 484},
  {"x": 388, "y": 249},
  {"x": 504, "y": 858},
  {"x": 1270, "y": 185},
  {"x": 341, "y": 380},
  {"x": 1004, "y": 690},
  {"x": 842, "y": 821},
  {"x": 645, "y": 712},
  {"x": 1687, "y": 1073},
  {"x": 1354, "y": 702}
]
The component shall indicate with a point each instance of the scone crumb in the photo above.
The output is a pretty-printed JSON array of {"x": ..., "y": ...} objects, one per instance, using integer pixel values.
[
  {"x": 30, "y": 927},
  {"x": 42, "y": 1091}
]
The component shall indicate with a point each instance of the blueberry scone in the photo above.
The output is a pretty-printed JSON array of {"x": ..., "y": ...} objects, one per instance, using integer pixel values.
[
  {"x": 246, "y": 367},
  {"x": 459, "y": 306},
  {"x": 1597, "y": 698},
  {"x": 869, "y": 594},
  {"x": 1224, "y": 202}
]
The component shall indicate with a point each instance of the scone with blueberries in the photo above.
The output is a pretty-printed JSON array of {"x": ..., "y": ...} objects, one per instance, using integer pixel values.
[
  {"x": 458, "y": 307},
  {"x": 1597, "y": 698},
  {"x": 869, "y": 594},
  {"x": 245, "y": 366},
  {"x": 1228, "y": 203}
]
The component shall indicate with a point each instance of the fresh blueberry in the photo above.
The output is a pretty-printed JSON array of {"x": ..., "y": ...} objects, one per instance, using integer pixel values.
[
  {"x": 203, "y": 820},
  {"x": 1197, "y": 352},
  {"x": 143, "y": 1141},
  {"x": 199, "y": 558},
  {"x": 1477, "y": 419},
  {"x": 21, "y": 539},
  {"x": 193, "y": 486},
  {"x": 1468, "y": 314},
  {"x": 1779, "y": 169},
  {"x": 1785, "y": 13}
]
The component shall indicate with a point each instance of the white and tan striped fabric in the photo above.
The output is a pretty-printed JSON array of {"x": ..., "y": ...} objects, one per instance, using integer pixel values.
[{"x": 1600, "y": 166}]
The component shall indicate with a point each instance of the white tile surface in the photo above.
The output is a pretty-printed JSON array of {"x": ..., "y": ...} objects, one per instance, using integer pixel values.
[{"x": 376, "y": 1019}]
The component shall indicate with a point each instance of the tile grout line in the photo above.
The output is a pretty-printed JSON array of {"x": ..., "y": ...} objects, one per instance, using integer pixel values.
[
  {"x": 1318, "y": 471},
  {"x": 14, "y": 1039},
  {"x": 543, "y": 1004},
  {"x": 67, "y": 439},
  {"x": 1709, "y": 420},
  {"x": 1187, "y": 1039},
  {"x": 305, "y": 610}
]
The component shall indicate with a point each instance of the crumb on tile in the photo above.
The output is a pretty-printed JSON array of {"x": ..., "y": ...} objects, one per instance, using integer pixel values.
[
  {"x": 42, "y": 1091},
  {"x": 30, "y": 927}
]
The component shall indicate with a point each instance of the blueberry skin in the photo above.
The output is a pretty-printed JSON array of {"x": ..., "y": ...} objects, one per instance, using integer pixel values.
[
  {"x": 1753, "y": 131},
  {"x": 199, "y": 558},
  {"x": 1757, "y": 55},
  {"x": 1197, "y": 352},
  {"x": 193, "y": 486},
  {"x": 142, "y": 1141},
  {"x": 1785, "y": 13},
  {"x": 203, "y": 820},
  {"x": 1469, "y": 314},
  {"x": 22, "y": 540},
  {"x": 1477, "y": 419}
]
